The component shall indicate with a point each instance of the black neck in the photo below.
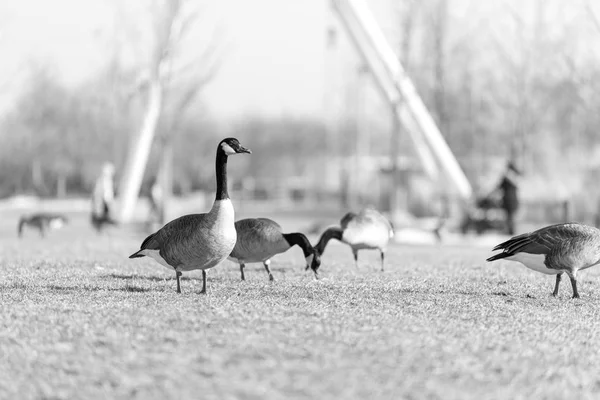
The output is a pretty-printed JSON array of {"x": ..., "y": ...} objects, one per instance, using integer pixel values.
[
  {"x": 221, "y": 171},
  {"x": 331, "y": 233},
  {"x": 300, "y": 240}
]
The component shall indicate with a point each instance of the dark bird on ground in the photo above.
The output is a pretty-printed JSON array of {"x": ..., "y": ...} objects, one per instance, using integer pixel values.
[
  {"x": 43, "y": 222},
  {"x": 554, "y": 250},
  {"x": 198, "y": 241},
  {"x": 259, "y": 239},
  {"x": 366, "y": 230}
]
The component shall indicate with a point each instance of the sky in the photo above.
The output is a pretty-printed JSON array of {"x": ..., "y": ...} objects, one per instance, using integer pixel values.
[
  {"x": 273, "y": 50},
  {"x": 274, "y": 60}
]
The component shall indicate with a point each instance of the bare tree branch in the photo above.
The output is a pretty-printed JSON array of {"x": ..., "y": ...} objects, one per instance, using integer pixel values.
[{"x": 592, "y": 14}]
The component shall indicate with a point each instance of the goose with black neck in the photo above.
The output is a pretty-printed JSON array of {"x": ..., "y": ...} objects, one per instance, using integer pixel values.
[
  {"x": 198, "y": 241},
  {"x": 259, "y": 239}
]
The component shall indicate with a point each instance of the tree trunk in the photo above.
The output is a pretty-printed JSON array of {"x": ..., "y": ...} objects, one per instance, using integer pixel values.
[
  {"x": 140, "y": 150},
  {"x": 165, "y": 176}
]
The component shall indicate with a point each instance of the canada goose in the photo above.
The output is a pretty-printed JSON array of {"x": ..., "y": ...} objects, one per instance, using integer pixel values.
[
  {"x": 366, "y": 230},
  {"x": 198, "y": 241},
  {"x": 43, "y": 222},
  {"x": 555, "y": 249},
  {"x": 259, "y": 239}
]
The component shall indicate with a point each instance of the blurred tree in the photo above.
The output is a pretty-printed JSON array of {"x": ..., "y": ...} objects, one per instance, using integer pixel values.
[{"x": 170, "y": 21}]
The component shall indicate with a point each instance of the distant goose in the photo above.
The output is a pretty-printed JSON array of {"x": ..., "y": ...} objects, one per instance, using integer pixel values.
[
  {"x": 366, "y": 230},
  {"x": 555, "y": 249},
  {"x": 198, "y": 241},
  {"x": 259, "y": 239},
  {"x": 43, "y": 222}
]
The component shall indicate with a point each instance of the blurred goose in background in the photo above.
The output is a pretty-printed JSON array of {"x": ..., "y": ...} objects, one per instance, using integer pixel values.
[
  {"x": 366, "y": 230},
  {"x": 43, "y": 222},
  {"x": 259, "y": 239},
  {"x": 198, "y": 241},
  {"x": 554, "y": 250}
]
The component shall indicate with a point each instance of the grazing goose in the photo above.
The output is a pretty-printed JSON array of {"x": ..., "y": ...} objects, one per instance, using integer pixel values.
[
  {"x": 555, "y": 249},
  {"x": 43, "y": 222},
  {"x": 259, "y": 239},
  {"x": 366, "y": 230},
  {"x": 198, "y": 241}
]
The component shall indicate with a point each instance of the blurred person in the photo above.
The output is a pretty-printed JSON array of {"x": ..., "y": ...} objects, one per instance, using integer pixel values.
[
  {"x": 156, "y": 215},
  {"x": 103, "y": 198},
  {"x": 509, "y": 189}
]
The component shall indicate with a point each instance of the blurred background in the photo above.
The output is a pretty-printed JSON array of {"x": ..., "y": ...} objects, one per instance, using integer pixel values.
[{"x": 84, "y": 82}]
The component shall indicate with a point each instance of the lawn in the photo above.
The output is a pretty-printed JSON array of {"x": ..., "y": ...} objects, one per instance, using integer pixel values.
[{"x": 80, "y": 320}]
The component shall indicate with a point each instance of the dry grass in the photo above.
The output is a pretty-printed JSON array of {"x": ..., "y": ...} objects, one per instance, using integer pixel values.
[{"x": 80, "y": 320}]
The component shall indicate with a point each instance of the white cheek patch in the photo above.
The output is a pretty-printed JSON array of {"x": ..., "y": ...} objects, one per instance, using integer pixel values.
[
  {"x": 227, "y": 149},
  {"x": 309, "y": 259}
]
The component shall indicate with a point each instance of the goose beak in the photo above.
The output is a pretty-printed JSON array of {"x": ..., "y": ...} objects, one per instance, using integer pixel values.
[{"x": 242, "y": 149}]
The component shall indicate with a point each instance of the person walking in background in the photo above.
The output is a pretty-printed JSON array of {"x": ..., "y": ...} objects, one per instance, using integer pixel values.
[
  {"x": 103, "y": 198},
  {"x": 156, "y": 214},
  {"x": 509, "y": 187}
]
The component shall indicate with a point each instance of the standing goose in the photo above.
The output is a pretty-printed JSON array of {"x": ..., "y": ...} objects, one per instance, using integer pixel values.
[
  {"x": 555, "y": 249},
  {"x": 259, "y": 239},
  {"x": 198, "y": 241},
  {"x": 366, "y": 230}
]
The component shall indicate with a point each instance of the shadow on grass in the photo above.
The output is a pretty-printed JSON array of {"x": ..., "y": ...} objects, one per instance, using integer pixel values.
[
  {"x": 425, "y": 291},
  {"x": 126, "y": 288},
  {"x": 131, "y": 276},
  {"x": 159, "y": 279}
]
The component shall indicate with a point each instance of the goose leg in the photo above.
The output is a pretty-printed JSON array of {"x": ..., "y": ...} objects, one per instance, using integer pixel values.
[
  {"x": 177, "y": 275},
  {"x": 266, "y": 264},
  {"x": 203, "y": 291},
  {"x": 558, "y": 278},
  {"x": 355, "y": 253},
  {"x": 242, "y": 266},
  {"x": 574, "y": 284}
]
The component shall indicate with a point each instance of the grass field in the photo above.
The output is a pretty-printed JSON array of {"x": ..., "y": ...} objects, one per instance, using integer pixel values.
[{"x": 80, "y": 320}]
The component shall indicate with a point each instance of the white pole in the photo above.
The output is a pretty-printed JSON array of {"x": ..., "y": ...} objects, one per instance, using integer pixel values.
[
  {"x": 388, "y": 90},
  {"x": 405, "y": 87}
]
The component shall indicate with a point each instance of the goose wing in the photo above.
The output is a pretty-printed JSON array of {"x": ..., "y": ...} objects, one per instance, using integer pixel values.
[
  {"x": 544, "y": 240},
  {"x": 257, "y": 237},
  {"x": 174, "y": 234}
]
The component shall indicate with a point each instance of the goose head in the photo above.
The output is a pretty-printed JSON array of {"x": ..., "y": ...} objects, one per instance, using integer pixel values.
[
  {"x": 232, "y": 146},
  {"x": 313, "y": 261}
]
